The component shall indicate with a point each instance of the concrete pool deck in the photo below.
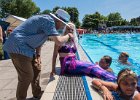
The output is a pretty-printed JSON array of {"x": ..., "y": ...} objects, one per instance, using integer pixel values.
[
  {"x": 50, "y": 88},
  {"x": 8, "y": 76}
]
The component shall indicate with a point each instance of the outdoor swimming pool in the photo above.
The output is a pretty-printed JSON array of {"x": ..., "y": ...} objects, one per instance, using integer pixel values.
[{"x": 97, "y": 46}]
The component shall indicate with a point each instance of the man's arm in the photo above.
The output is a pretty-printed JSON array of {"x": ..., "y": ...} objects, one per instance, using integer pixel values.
[{"x": 61, "y": 39}]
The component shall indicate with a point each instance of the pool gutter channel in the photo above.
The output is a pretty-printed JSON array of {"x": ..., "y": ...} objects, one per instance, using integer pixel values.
[{"x": 70, "y": 87}]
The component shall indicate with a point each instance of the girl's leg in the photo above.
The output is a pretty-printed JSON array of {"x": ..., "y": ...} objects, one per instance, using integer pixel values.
[{"x": 88, "y": 68}]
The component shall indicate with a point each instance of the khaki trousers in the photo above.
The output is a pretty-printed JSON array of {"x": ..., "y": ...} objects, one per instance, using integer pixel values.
[{"x": 28, "y": 72}]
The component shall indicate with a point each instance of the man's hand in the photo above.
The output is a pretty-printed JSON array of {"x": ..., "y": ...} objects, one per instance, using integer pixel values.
[
  {"x": 38, "y": 59},
  {"x": 37, "y": 62}
]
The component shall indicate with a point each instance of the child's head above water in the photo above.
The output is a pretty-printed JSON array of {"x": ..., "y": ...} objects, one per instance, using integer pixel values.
[
  {"x": 127, "y": 81},
  {"x": 123, "y": 55},
  {"x": 105, "y": 62}
]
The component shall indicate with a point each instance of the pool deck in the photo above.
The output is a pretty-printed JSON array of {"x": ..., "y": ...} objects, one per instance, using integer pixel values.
[{"x": 8, "y": 76}]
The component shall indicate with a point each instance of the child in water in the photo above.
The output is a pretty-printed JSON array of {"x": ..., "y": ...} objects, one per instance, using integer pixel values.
[
  {"x": 123, "y": 58},
  {"x": 124, "y": 89}
]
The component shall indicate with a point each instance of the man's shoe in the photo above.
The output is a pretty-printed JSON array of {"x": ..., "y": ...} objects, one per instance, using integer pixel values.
[{"x": 40, "y": 95}]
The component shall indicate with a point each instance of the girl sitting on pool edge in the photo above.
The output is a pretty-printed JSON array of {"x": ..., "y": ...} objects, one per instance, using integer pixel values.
[{"x": 71, "y": 65}]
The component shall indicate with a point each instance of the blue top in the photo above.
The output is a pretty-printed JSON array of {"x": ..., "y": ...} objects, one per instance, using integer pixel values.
[
  {"x": 117, "y": 96},
  {"x": 30, "y": 34}
]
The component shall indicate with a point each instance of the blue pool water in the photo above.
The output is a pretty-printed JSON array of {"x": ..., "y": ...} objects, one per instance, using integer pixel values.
[{"x": 97, "y": 46}]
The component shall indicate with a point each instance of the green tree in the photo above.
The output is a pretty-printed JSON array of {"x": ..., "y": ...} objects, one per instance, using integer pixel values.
[
  {"x": 135, "y": 21},
  {"x": 115, "y": 19},
  {"x": 37, "y": 11},
  {"x": 124, "y": 22},
  {"x": 22, "y": 8},
  {"x": 54, "y": 9},
  {"x": 92, "y": 21},
  {"x": 78, "y": 24},
  {"x": 46, "y": 11},
  {"x": 6, "y": 6},
  {"x": 114, "y": 16},
  {"x": 88, "y": 22},
  {"x": 73, "y": 13}
]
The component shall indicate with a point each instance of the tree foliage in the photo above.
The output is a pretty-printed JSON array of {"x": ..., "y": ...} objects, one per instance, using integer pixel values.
[
  {"x": 46, "y": 11},
  {"x": 22, "y": 8},
  {"x": 135, "y": 21},
  {"x": 92, "y": 21},
  {"x": 96, "y": 20},
  {"x": 114, "y": 16},
  {"x": 115, "y": 19},
  {"x": 27, "y": 8}
]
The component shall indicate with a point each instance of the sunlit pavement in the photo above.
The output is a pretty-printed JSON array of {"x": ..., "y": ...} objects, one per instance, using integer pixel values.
[{"x": 8, "y": 74}]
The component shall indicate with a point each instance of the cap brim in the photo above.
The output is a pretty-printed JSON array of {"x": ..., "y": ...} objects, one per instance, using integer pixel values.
[{"x": 59, "y": 19}]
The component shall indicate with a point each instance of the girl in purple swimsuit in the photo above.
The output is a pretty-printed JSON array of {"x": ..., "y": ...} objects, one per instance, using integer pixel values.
[{"x": 71, "y": 65}]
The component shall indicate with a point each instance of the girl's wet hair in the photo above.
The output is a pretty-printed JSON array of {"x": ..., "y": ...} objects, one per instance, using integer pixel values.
[
  {"x": 124, "y": 54},
  {"x": 124, "y": 73}
]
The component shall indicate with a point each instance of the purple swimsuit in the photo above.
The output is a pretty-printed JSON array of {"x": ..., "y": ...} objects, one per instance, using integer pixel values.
[{"x": 70, "y": 65}]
